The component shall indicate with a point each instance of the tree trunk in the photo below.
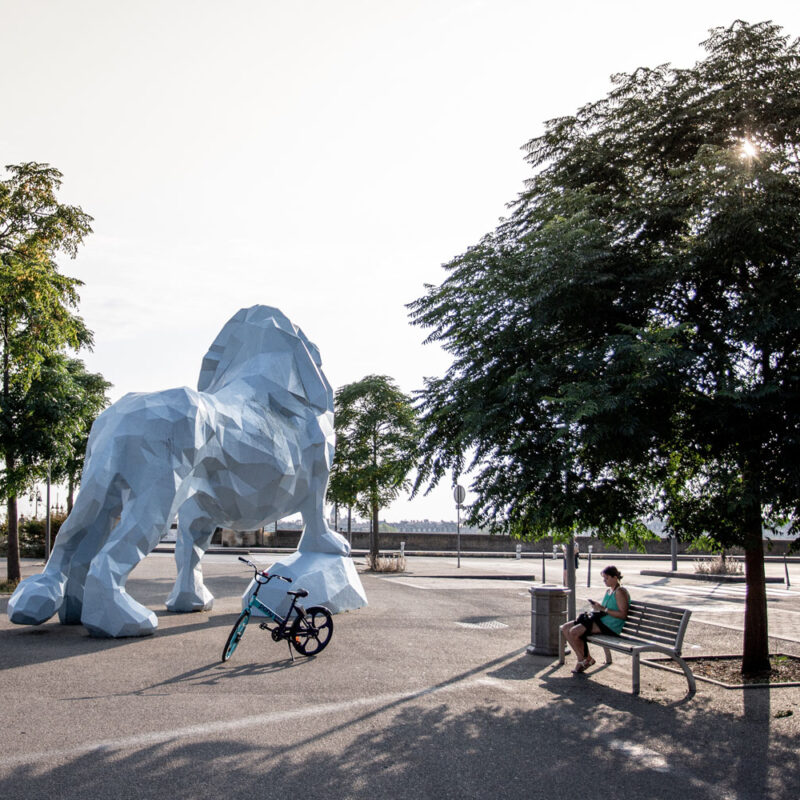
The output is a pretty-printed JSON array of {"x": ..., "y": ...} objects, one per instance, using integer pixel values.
[
  {"x": 70, "y": 493},
  {"x": 373, "y": 539},
  {"x": 755, "y": 652},
  {"x": 14, "y": 573},
  {"x": 755, "y": 649}
]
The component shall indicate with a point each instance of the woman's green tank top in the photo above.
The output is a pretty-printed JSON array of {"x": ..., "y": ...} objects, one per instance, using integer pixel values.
[{"x": 610, "y": 602}]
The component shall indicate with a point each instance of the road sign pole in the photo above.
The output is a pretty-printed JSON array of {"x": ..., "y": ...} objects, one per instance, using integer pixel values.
[{"x": 459, "y": 493}]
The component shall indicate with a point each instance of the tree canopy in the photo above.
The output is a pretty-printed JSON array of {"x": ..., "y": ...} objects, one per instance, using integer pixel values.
[
  {"x": 625, "y": 344},
  {"x": 38, "y": 318},
  {"x": 81, "y": 396},
  {"x": 376, "y": 437}
]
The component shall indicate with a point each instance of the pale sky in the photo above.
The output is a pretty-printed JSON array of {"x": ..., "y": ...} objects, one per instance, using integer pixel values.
[{"x": 321, "y": 156}]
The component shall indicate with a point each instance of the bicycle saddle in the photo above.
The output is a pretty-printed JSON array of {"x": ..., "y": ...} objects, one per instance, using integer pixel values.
[{"x": 298, "y": 592}]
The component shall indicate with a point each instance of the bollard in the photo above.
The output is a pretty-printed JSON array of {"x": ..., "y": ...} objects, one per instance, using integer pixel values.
[
  {"x": 519, "y": 551},
  {"x": 402, "y": 549},
  {"x": 548, "y": 614},
  {"x": 544, "y": 562},
  {"x": 786, "y": 570}
]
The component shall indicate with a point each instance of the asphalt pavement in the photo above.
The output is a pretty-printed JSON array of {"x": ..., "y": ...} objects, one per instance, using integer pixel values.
[{"x": 426, "y": 693}]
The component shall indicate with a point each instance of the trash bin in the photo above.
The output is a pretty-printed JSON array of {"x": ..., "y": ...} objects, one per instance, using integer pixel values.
[{"x": 548, "y": 613}]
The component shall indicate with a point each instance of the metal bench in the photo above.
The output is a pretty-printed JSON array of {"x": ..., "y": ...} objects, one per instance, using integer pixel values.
[{"x": 649, "y": 627}]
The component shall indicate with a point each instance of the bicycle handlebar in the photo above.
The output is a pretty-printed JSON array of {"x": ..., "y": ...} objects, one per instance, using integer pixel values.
[{"x": 265, "y": 574}]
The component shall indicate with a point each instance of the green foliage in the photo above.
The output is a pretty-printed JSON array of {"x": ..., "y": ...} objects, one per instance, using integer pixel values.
[
  {"x": 52, "y": 418},
  {"x": 84, "y": 396},
  {"x": 37, "y": 323},
  {"x": 32, "y": 535},
  {"x": 376, "y": 438},
  {"x": 626, "y": 342},
  {"x": 37, "y": 302}
]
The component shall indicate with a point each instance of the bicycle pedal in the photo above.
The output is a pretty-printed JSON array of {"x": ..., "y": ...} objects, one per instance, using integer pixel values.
[{"x": 264, "y": 626}]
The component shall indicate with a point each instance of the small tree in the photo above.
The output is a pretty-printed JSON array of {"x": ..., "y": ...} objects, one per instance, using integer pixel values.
[
  {"x": 37, "y": 313},
  {"x": 376, "y": 436},
  {"x": 86, "y": 399},
  {"x": 626, "y": 344}
]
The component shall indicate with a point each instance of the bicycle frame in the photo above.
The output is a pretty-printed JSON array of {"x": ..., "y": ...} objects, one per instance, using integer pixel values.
[{"x": 270, "y": 612}]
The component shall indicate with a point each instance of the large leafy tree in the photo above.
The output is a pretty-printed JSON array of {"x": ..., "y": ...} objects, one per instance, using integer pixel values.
[
  {"x": 37, "y": 314},
  {"x": 376, "y": 438},
  {"x": 625, "y": 344}
]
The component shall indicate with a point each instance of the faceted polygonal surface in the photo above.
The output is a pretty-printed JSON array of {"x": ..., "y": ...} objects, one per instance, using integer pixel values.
[
  {"x": 330, "y": 580},
  {"x": 253, "y": 444}
]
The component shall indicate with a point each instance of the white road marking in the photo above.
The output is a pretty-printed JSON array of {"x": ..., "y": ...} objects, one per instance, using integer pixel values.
[
  {"x": 717, "y": 592},
  {"x": 407, "y": 583},
  {"x": 496, "y": 683}
]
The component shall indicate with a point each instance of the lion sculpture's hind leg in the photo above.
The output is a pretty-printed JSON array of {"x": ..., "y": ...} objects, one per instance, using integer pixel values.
[
  {"x": 108, "y": 610},
  {"x": 59, "y": 588},
  {"x": 317, "y": 536},
  {"x": 321, "y": 565}
]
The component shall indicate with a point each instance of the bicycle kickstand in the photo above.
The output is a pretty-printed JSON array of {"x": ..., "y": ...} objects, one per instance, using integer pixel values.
[{"x": 291, "y": 654}]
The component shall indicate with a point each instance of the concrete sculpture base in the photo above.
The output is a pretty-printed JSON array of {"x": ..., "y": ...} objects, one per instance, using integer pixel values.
[
  {"x": 253, "y": 444},
  {"x": 330, "y": 580}
]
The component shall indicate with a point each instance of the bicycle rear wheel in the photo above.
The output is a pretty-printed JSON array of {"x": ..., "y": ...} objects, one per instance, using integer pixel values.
[
  {"x": 310, "y": 634},
  {"x": 236, "y": 634}
]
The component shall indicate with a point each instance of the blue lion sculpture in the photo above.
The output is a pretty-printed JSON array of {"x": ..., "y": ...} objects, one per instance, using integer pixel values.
[{"x": 254, "y": 443}]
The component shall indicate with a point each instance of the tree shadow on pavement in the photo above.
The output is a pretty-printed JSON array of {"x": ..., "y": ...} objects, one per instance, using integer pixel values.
[{"x": 580, "y": 739}]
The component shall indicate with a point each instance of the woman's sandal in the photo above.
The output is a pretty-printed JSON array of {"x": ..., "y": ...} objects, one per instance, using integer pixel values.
[
  {"x": 579, "y": 667},
  {"x": 588, "y": 662}
]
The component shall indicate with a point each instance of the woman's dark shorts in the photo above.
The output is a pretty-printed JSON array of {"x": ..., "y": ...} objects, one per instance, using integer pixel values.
[{"x": 591, "y": 618}]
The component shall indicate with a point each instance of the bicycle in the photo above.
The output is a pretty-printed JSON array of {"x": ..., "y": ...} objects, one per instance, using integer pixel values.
[{"x": 308, "y": 631}]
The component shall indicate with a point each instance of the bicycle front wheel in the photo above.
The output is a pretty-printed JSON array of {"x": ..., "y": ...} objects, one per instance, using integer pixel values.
[
  {"x": 310, "y": 634},
  {"x": 236, "y": 634}
]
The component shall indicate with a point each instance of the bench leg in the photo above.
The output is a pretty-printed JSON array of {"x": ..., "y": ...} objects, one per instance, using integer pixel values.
[
  {"x": 688, "y": 673},
  {"x": 608, "y": 655},
  {"x": 635, "y": 671},
  {"x": 561, "y": 657}
]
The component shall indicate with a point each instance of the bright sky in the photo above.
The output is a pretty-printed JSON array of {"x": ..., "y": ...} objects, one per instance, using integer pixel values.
[{"x": 321, "y": 156}]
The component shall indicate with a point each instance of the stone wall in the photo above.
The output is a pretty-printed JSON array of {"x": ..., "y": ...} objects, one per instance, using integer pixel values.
[{"x": 470, "y": 542}]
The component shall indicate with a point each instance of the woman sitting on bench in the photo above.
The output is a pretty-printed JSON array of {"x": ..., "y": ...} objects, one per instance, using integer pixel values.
[{"x": 608, "y": 617}]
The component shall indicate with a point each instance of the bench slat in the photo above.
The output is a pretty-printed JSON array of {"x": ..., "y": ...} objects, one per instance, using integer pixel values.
[
  {"x": 656, "y": 608},
  {"x": 659, "y": 624},
  {"x": 651, "y": 627}
]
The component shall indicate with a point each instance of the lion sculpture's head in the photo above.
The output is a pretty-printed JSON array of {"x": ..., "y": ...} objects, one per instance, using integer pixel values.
[{"x": 263, "y": 341}]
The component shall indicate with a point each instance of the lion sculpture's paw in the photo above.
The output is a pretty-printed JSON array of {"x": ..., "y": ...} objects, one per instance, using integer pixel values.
[{"x": 35, "y": 600}]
